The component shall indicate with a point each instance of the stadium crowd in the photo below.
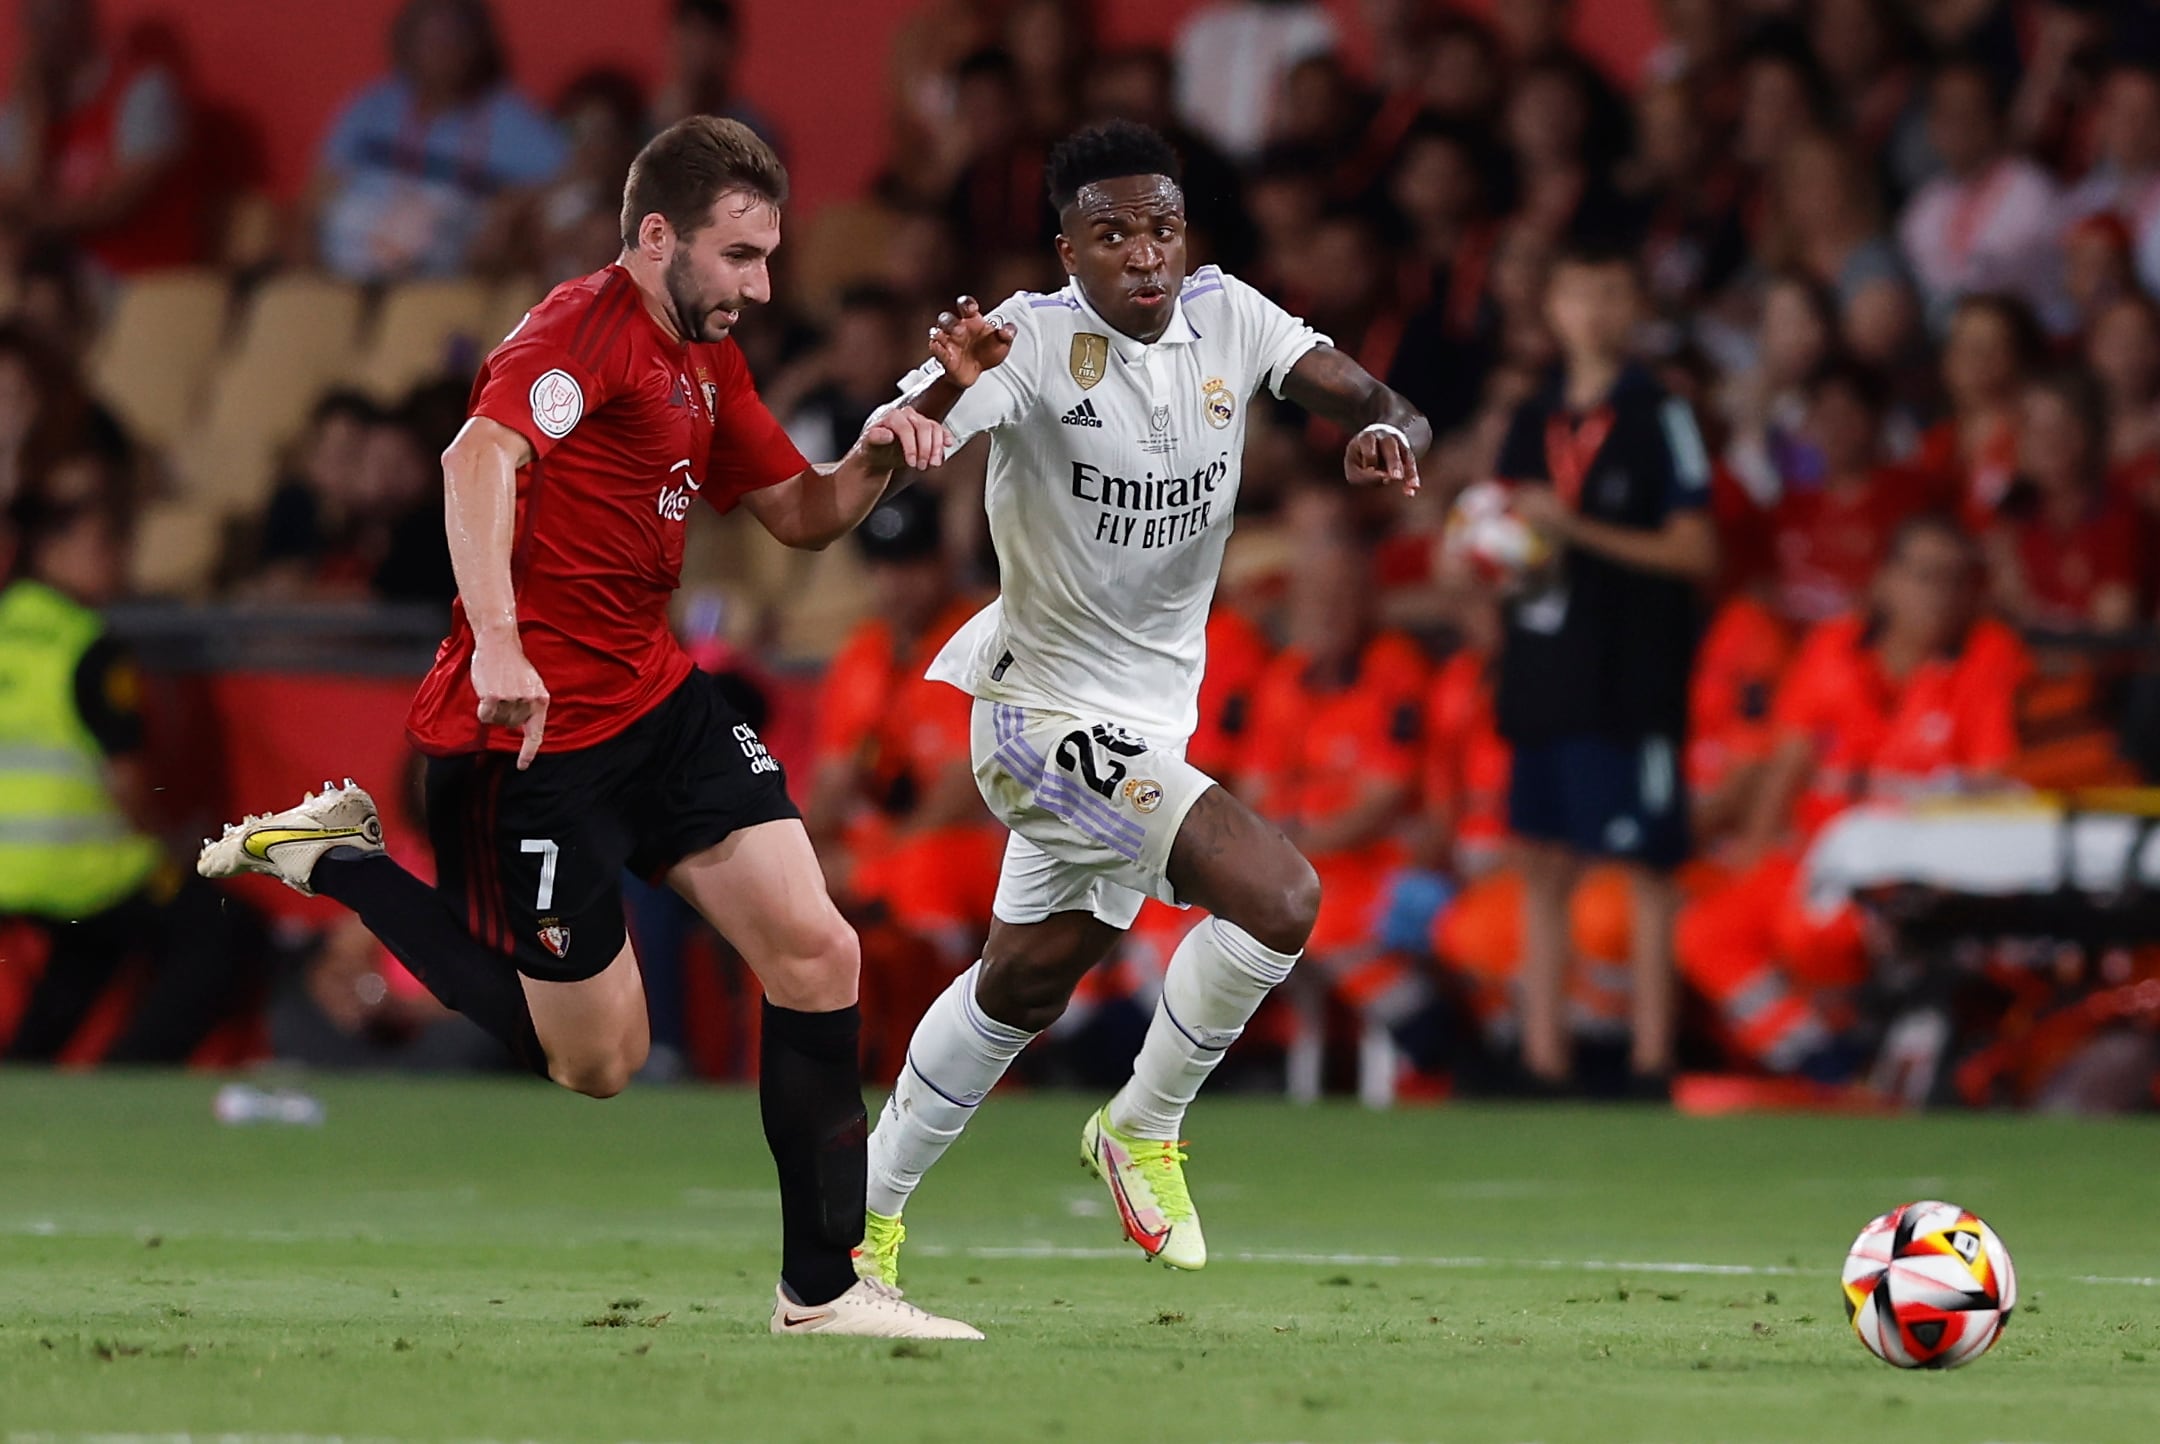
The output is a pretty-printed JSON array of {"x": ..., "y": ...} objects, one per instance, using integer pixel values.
[{"x": 1900, "y": 257}]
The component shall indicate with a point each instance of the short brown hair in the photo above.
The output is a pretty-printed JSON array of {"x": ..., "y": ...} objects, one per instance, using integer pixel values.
[{"x": 685, "y": 168}]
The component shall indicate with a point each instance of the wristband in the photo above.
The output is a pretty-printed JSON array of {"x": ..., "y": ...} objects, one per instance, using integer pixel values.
[{"x": 1395, "y": 431}]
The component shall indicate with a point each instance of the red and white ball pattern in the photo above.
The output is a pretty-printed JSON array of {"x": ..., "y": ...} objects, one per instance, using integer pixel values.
[
  {"x": 1486, "y": 537},
  {"x": 1929, "y": 1286}
]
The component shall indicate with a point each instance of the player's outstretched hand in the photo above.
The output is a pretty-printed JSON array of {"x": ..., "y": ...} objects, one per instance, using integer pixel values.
[
  {"x": 920, "y": 440},
  {"x": 1376, "y": 457},
  {"x": 511, "y": 693},
  {"x": 966, "y": 344}
]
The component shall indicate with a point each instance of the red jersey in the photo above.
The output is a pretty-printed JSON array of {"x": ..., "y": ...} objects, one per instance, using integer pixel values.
[
  {"x": 1829, "y": 542},
  {"x": 1743, "y": 654},
  {"x": 1876, "y": 737},
  {"x": 1467, "y": 760},
  {"x": 2066, "y": 567},
  {"x": 628, "y": 427}
]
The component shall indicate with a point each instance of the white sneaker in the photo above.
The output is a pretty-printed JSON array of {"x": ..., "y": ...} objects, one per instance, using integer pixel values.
[
  {"x": 871, "y": 1310},
  {"x": 288, "y": 844}
]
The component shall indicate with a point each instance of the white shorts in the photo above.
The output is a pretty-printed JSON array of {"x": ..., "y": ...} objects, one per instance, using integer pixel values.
[{"x": 1093, "y": 809}]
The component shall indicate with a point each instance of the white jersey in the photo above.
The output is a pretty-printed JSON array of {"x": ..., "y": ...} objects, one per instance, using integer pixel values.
[{"x": 1114, "y": 470}]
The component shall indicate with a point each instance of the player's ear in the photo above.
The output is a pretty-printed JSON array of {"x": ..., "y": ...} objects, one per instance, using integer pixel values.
[
  {"x": 654, "y": 233},
  {"x": 1065, "y": 255}
]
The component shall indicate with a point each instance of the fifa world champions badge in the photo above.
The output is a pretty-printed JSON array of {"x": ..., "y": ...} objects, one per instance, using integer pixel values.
[{"x": 1090, "y": 358}]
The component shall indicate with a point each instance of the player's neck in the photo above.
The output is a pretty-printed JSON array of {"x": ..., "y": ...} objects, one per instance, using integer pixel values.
[
  {"x": 1590, "y": 380},
  {"x": 653, "y": 291}
]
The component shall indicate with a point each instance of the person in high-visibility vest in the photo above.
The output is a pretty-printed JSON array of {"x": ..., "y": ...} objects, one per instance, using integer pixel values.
[{"x": 75, "y": 863}]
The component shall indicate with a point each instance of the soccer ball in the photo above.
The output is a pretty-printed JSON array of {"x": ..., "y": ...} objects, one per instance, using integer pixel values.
[
  {"x": 1929, "y": 1286},
  {"x": 1486, "y": 537}
]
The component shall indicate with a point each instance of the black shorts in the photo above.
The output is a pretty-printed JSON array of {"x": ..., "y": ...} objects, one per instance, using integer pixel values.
[
  {"x": 1602, "y": 797},
  {"x": 534, "y": 859}
]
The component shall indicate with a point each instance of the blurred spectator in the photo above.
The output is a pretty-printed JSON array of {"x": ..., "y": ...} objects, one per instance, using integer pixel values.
[
  {"x": 363, "y": 517},
  {"x": 79, "y": 859},
  {"x": 1318, "y": 106},
  {"x": 705, "y": 46},
  {"x": 2097, "y": 267},
  {"x": 1865, "y": 48},
  {"x": 411, "y": 164},
  {"x": 1563, "y": 161},
  {"x": 1232, "y": 57},
  {"x": 1050, "y": 42},
  {"x": 1685, "y": 192},
  {"x": 46, "y": 412},
  {"x": 996, "y": 199},
  {"x": 1911, "y": 699},
  {"x": 2122, "y": 350},
  {"x": 1970, "y": 457},
  {"x": 1141, "y": 85},
  {"x": 825, "y": 398},
  {"x": 1829, "y": 229},
  {"x": 1464, "y": 76},
  {"x": 573, "y": 225},
  {"x": 1765, "y": 405},
  {"x": 2065, "y": 554},
  {"x": 1441, "y": 193},
  {"x": 95, "y": 145},
  {"x": 1595, "y": 665},
  {"x": 2124, "y": 181},
  {"x": 1988, "y": 221},
  {"x": 1333, "y": 759},
  {"x": 1839, "y": 506}
]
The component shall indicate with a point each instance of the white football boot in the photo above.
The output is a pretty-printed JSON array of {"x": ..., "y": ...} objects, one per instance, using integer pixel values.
[
  {"x": 872, "y": 1309},
  {"x": 288, "y": 844}
]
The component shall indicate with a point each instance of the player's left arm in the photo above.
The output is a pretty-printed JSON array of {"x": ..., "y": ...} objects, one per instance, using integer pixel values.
[
  {"x": 1390, "y": 433},
  {"x": 817, "y": 507}
]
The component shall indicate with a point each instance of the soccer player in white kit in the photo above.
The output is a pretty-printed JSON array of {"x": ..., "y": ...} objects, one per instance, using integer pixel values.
[{"x": 1116, "y": 426}]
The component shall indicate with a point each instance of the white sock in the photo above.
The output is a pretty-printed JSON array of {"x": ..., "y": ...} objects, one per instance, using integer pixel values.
[
  {"x": 956, "y": 1056},
  {"x": 1215, "y": 983}
]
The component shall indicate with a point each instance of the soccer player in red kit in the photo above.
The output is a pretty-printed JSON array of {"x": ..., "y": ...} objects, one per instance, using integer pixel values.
[{"x": 567, "y": 732}]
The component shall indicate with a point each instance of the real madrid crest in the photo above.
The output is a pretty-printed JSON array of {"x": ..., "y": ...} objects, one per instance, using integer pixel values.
[
  {"x": 1090, "y": 357},
  {"x": 1216, "y": 402}
]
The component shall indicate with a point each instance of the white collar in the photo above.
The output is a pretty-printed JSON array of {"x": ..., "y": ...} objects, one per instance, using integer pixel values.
[{"x": 1178, "y": 333}]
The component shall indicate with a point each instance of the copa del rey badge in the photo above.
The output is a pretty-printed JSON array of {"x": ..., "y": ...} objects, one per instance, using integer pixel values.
[{"x": 554, "y": 936}]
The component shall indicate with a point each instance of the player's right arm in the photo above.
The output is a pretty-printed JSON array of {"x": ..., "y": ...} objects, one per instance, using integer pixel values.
[{"x": 479, "y": 512}]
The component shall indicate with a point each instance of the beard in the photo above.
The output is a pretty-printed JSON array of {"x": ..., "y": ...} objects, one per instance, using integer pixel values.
[{"x": 692, "y": 316}]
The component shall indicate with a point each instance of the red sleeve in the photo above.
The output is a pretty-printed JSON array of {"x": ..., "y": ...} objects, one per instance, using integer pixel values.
[
  {"x": 548, "y": 376},
  {"x": 750, "y": 449},
  {"x": 1987, "y": 720}
]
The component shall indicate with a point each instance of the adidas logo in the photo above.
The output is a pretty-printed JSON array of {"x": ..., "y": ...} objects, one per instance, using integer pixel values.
[{"x": 1082, "y": 415}]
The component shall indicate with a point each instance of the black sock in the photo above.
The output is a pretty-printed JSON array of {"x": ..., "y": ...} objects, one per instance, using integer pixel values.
[
  {"x": 810, "y": 1095},
  {"x": 419, "y": 926}
]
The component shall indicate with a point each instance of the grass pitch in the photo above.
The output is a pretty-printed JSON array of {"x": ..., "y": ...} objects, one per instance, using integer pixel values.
[{"x": 472, "y": 1261}]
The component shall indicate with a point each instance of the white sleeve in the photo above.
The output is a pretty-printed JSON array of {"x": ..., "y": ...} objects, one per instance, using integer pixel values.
[
  {"x": 1002, "y": 394},
  {"x": 1275, "y": 339}
]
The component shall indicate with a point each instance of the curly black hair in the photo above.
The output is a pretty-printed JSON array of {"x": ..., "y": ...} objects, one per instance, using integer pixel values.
[{"x": 1105, "y": 152}]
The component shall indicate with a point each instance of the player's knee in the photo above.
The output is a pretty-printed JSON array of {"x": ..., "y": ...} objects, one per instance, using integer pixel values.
[
  {"x": 1284, "y": 916},
  {"x": 1026, "y": 989},
  {"x": 822, "y": 969},
  {"x": 597, "y": 1075}
]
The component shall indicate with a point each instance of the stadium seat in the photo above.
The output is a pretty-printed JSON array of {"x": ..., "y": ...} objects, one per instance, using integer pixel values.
[
  {"x": 230, "y": 474},
  {"x": 178, "y": 544},
  {"x": 252, "y": 230},
  {"x": 153, "y": 362},
  {"x": 419, "y": 329},
  {"x": 297, "y": 334}
]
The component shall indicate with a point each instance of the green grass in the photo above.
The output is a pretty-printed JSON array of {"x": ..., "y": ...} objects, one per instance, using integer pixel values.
[{"x": 487, "y": 1261}]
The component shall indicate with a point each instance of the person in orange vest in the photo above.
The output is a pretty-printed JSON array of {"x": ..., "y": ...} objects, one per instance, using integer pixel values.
[
  {"x": 892, "y": 804},
  {"x": 1333, "y": 759},
  {"x": 1916, "y": 696}
]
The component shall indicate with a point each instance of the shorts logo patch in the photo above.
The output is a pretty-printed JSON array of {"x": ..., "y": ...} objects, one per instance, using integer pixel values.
[
  {"x": 554, "y": 937},
  {"x": 557, "y": 403},
  {"x": 1144, "y": 793},
  {"x": 760, "y": 760},
  {"x": 1217, "y": 403}
]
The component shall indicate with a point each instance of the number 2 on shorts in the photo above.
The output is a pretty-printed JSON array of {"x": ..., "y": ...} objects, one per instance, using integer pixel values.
[{"x": 548, "y": 853}]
